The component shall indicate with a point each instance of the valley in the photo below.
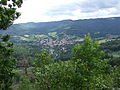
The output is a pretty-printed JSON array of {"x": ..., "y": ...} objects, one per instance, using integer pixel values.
[
  {"x": 79, "y": 52},
  {"x": 59, "y": 38}
]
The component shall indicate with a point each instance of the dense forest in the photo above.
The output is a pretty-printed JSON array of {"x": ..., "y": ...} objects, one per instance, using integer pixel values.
[
  {"x": 100, "y": 27},
  {"x": 63, "y": 55}
]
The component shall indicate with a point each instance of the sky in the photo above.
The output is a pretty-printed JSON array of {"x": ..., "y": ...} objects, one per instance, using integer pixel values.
[{"x": 56, "y": 10}]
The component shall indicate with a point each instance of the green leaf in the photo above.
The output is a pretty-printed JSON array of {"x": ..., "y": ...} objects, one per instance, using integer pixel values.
[
  {"x": 6, "y": 38},
  {"x": 4, "y": 2}
]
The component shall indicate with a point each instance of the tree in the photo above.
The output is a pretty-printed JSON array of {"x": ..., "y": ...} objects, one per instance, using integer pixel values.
[
  {"x": 43, "y": 58},
  {"x": 92, "y": 71},
  {"x": 8, "y": 14},
  {"x": 50, "y": 75},
  {"x": 116, "y": 77},
  {"x": 7, "y": 64},
  {"x": 86, "y": 70}
]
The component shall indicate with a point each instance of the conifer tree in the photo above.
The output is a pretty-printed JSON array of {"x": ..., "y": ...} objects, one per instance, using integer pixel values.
[{"x": 8, "y": 14}]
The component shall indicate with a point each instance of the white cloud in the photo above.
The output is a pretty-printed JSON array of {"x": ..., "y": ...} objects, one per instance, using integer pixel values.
[{"x": 53, "y": 10}]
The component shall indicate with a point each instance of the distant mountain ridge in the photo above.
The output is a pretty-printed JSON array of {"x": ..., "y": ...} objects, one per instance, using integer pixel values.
[{"x": 97, "y": 27}]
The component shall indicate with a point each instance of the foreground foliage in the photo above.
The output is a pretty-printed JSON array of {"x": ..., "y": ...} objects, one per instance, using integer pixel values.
[
  {"x": 8, "y": 14},
  {"x": 6, "y": 63},
  {"x": 86, "y": 70}
]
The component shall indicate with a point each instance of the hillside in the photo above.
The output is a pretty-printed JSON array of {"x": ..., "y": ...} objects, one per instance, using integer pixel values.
[
  {"x": 58, "y": 37},
  {"x": 97, "y": 27}
]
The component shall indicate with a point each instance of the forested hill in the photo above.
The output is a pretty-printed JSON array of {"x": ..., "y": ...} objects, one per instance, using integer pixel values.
[{"x": 97, "y": 27}]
